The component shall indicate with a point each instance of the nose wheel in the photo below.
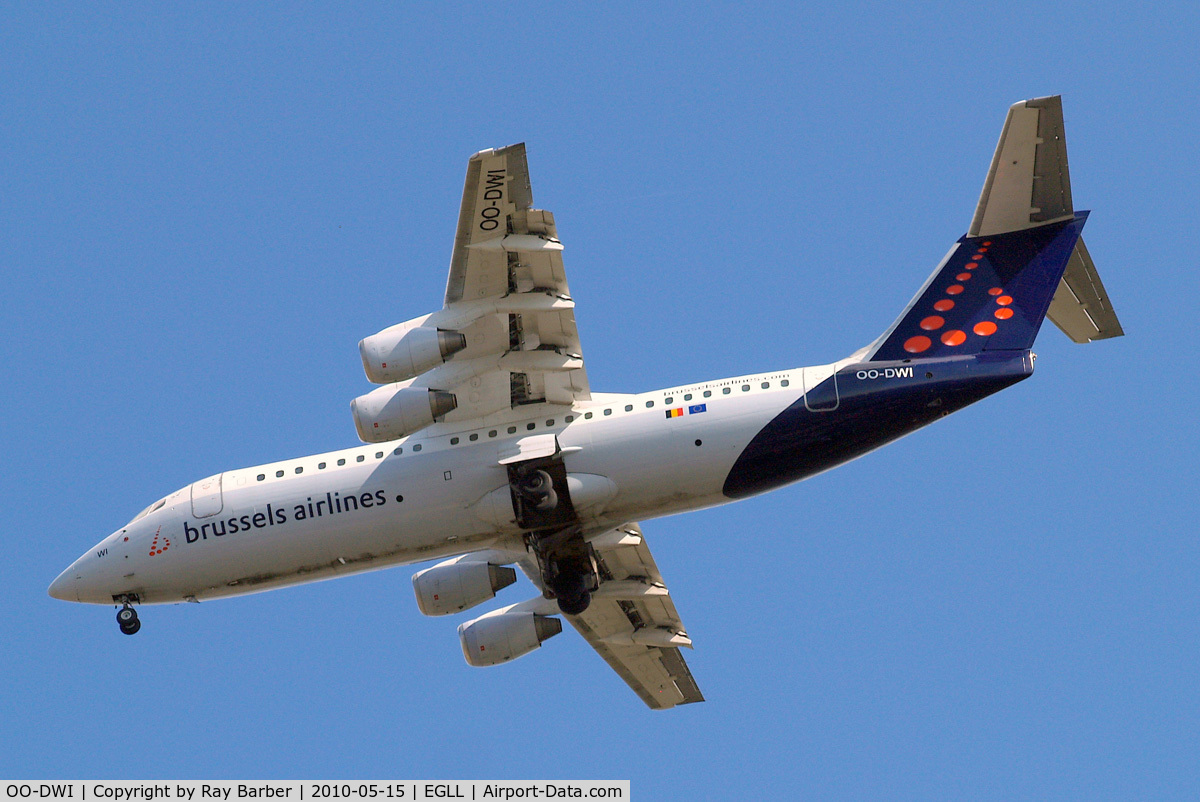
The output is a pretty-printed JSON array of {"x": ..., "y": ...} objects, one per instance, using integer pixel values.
[{"x": 127, "y": 619}]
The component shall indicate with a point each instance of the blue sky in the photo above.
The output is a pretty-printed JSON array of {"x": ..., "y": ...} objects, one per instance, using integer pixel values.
[{"x": 206, "y": 206}]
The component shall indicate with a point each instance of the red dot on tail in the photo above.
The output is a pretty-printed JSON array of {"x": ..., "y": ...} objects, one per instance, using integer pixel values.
[
  {"x": 985, "y": 329},
  {"x": 933, "y": 322},
  {"x": 1004, "y": 314},
  {"x": 954, "y": 337},
  {"x": 915, "y": 345},
  {"x": 963, "y": 277},
  {"x": 954, "y": 289},
  {"x": 944, "y": 305},
  {"x": 1004, "y": 300},
  {"x": 995, "y": 291}
]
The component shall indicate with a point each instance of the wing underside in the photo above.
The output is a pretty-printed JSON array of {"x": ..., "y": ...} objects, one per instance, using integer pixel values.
[
  {"x": 632, "y": 621},
  {"x": 523, "y": 347}
]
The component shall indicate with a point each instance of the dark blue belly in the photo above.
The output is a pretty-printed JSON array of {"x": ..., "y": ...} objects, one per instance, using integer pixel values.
[{"x": 864, "y": 407}]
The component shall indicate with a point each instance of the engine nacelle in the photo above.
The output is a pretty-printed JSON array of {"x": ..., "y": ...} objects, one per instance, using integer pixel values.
[
  {"x": 499, "y": 637},
  {"x": 454, "y": 585},
  {"x": 406, "y": 350},
  {"x": 394, "y": 411}
]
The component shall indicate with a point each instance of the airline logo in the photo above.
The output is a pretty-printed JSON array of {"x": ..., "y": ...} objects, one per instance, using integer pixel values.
[
  {"x": 695, "y": 409},
  {"x": 155, "y": 549}
]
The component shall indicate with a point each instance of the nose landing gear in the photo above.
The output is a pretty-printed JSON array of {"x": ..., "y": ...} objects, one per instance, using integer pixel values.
[{"x": 127, "y": 619}]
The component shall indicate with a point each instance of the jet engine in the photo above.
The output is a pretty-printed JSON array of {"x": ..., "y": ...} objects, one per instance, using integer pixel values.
[
  {"x": 499, "y": 637},
  {"x": 387, "y": 413},
  {"x": 406, "y": 350},
  {"x": 455, "y": 585}
]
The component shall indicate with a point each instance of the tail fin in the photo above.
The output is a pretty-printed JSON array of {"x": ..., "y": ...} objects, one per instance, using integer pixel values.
[{"x": 995, "y": 287}]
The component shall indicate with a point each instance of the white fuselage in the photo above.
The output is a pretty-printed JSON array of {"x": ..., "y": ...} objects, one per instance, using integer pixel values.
[{"x": 423, "y": 497}]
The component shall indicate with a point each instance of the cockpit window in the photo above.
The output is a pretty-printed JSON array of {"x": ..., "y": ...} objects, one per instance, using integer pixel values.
[{"x": 155, "y": 506}]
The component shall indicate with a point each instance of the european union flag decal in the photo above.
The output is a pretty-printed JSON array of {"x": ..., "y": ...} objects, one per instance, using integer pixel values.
[{"x": 692, "y": 410}]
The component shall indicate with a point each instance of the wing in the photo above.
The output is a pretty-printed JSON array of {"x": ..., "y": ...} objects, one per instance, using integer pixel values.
[
  {"x": 632, "y": 621},
  {"x": 508, "y": 260}
]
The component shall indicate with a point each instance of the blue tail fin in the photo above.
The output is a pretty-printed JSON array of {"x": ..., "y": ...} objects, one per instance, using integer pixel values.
[{"x": 991, "y": 293}]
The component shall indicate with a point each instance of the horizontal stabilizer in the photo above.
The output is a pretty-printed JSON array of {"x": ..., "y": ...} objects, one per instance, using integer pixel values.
[
  {"x": 1028, "y": 183},
  {"x": 1081, "y": 307}
]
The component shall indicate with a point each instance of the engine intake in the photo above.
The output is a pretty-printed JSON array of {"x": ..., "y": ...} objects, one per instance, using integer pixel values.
[
  {"x": 391, "y": 412},
  {"x": 453, "y": 586},
  {"x": 499, "y": 637},
  {"x": 404, "y": 350}
]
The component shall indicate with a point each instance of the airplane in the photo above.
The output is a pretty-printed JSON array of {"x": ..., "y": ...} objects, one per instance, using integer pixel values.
[{"x": 485, "y": 447}]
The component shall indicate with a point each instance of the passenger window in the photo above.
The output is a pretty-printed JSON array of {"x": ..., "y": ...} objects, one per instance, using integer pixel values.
[
  {"x": 725, "y": 390},
  {"x": 766, "y": 385},
  {"x": 530, "y": 426},
  {"x": 320, "y": 466},
  {"x": 745, "y": 388},
  {"x": 608, "y": 412},
  {"x": 550, "y": 422},
  {"x": 473, "y": 437},
  {"x": 649, "y": 404},
  {"x": 299, "y": 469},
  {"x": 398, "y": 451},
  {"x": 708, "y": 393},
  {"x": 569, "y": 418},
  {"x": 784, "y": 383},
  {"x": 453, "y": 441},
  {"x": 587, "y": 416},
  {"x": 687, "y": 397},
  {"x": 417, "y": 447},
  {"x": 359, "y": 458},
  {"x": 278, "y": 473},
  {"x": 512, "y": 429},
  {"x": 262, "y": 476},
  {"x": 492, "y": 433},
  {"x": 378, "y": 455},
  {"x": 629, "y": 407},
  {"x": 668, "y": 400},
  {"x": 341, "y": 462}
]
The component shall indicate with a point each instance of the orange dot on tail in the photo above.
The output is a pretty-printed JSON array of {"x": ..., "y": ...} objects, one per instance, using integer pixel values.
[
  {"x": 954, "y": 289},
  {"x": 954, "y": 337},
  {"x": 932, "y": 322},
  {"x": 983, "y": 249},
  {"x": 915, "y": 345},
  {"x": 944, "y": 305},
  {"x": 963, "y": 277},
  {"x": 971, "y": 265},
  {"x": 1004, "y": 300},
  {"x": 1004, "y": 314},
  {"x": 987, "y": 243},
  {"x": 985, "y": 329},
  {"x": 995, "y": 291}
]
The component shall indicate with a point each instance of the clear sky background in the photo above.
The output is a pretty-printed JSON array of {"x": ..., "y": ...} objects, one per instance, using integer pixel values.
[{"x": 206, "y": 206}]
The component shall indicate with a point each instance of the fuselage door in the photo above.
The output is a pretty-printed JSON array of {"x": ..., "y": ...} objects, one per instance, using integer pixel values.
[
  {"x": 206, "y": 497},
  {"x": 820, "y": 390}
]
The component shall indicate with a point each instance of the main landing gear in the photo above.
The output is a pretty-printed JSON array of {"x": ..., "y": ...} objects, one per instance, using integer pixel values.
[
  {"x": 127, "y": 618},
  {"x": 543, "y": 508}
]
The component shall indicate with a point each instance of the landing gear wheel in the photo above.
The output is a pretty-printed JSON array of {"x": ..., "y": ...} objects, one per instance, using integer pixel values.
[
  {"x": 572, "y": 593},
  {"x": 575, "y": 606},
  {"x": 127, "y": 619},
  {"x": 538, "y": 489}
]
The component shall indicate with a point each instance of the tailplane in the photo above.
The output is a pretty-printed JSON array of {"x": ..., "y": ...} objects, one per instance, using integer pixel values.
[{"x": 1021, "y": 260}]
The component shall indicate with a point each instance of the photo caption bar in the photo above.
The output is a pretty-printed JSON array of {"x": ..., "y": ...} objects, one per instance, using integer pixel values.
[{"x": 303, "y": 791}]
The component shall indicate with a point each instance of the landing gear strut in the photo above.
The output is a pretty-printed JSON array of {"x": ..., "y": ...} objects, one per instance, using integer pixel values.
[
  {"x": 127, "y": 618},
  {"x": 543, "y": 508}
]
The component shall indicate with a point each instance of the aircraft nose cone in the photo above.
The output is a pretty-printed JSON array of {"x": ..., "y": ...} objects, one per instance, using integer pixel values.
[{"x": 65, "y": 586}]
